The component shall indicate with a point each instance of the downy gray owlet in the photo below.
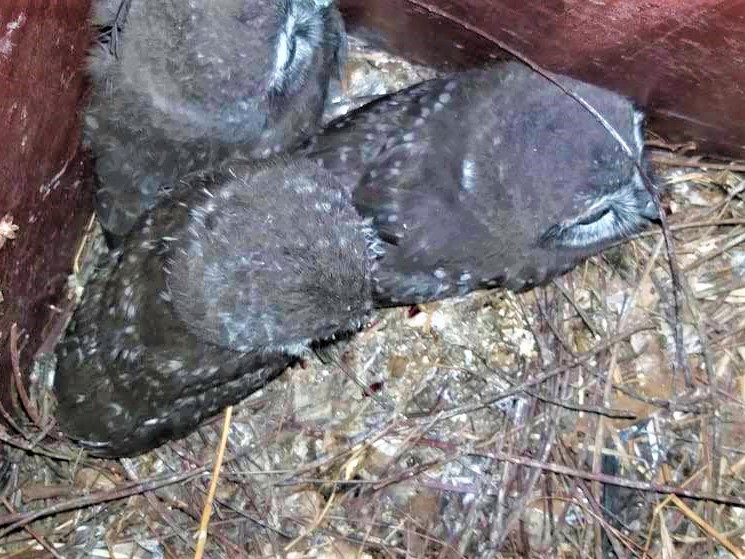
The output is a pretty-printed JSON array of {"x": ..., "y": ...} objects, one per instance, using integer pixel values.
[
  {"x": 183, "y": 84},
  {"x": 224, "y": 283},
  {"x": 486, "y": 178}
]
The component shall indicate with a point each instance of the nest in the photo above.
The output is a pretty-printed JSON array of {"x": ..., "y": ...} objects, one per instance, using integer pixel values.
[{"x": 555, "y": 423}]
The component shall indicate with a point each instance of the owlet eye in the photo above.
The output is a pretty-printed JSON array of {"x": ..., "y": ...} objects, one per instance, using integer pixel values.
[
  {"x": 595, "y": 226},
  {"x": 593, "y": 217},
  {"x": 293, "y": 50},
  {"x": 286, "y": 48}
]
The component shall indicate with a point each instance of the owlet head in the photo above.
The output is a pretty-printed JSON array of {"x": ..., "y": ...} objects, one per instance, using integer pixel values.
[
  {"x": 274, "y": 257},
  {"x": 222, "y": 64}
]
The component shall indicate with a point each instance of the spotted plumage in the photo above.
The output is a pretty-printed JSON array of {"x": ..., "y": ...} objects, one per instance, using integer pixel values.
[
  {"x": 218, "y": 289},
  {"x": 487, "y": 178},
  {"x": 181, "y": 85}
]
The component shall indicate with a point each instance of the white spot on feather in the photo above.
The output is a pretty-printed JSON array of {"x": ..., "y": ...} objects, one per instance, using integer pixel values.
[{"x": 468, "y": 175}]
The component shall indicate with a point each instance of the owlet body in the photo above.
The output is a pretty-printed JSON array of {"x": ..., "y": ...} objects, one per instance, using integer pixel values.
[
  {"x": 223, "y": 284},
  {"x": 487, "y": 178},
  {"x": 185, "y": 84}
]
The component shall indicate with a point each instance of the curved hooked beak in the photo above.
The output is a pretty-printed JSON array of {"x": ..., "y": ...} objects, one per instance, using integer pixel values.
[{"x": 646, "y": 205}]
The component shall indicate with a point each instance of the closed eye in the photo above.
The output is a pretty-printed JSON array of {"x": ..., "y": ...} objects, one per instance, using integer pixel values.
[
  {"x": 600, "y": 225},
  {"x": 594, "y": 217},
  {"x": 611, "y": 217},
  {"x": 293, "y": 49},
  {"x": 295, "y": 46}
]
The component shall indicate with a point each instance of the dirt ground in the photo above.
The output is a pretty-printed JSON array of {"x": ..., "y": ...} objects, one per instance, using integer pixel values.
[{"x": 553, "y": 423}]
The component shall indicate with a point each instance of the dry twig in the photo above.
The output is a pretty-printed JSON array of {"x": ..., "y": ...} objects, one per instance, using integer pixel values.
[{"x": 207, "y": 511}]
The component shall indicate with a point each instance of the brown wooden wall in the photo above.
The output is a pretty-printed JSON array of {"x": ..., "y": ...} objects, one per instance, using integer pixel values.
[
  {"x": 44, "y": 181},
  {"x": 684, "y": 60}
]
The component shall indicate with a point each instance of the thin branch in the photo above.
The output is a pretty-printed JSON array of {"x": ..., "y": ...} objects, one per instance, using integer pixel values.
[
  {"x": 678, "y": 161},
  {"x": 19, "y": 520},
  {"x": 207, "y": 510},
  {"x": 42, "y": 542},
  {"x": 18, "y": 378},
  {"x": 649, "y": 487}
]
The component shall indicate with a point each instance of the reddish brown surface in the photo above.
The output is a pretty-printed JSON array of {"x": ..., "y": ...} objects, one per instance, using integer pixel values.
[
  {"x": 682, "y": 59},
  {"x": 43, "y": 182}
]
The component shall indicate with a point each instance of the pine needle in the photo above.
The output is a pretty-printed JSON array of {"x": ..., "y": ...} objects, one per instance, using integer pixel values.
[{"x": 207, "y": 510}]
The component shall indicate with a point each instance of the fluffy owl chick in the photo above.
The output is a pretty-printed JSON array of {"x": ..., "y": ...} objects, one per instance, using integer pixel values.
[
  {"x": 184, "y": 84},
  {"x": 487, "y": 178},
  {"x": 221, "y": 286}
]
